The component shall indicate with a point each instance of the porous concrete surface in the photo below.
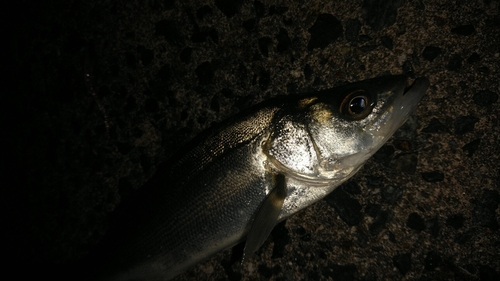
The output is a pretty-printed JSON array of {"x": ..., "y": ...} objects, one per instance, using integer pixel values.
[{"x": 99, "y": 93}]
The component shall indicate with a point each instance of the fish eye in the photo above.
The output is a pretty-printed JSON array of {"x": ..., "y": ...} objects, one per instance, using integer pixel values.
[{"x": 356, "y": 105}]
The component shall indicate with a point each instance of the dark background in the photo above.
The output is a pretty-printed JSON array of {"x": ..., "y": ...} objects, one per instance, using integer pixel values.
[{"x": 160, "y": 72}]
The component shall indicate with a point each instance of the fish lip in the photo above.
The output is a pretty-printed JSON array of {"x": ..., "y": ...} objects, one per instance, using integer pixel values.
[
  {"x": 411, "y": 96},
  {"x": 398, "y": 84},
  {"x": 418, "y": 88}
]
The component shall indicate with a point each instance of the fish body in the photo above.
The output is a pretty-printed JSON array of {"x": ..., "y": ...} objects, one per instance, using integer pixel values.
[{"x": 257, "y": 168}]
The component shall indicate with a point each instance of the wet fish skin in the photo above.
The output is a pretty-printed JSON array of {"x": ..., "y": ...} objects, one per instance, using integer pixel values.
[{"x": 205, "y": 199}]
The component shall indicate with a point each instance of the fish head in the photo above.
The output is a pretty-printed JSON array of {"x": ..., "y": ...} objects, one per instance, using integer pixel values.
[
  {"x": 348, "y": 124},
  {"x": 328, "y": 135}
]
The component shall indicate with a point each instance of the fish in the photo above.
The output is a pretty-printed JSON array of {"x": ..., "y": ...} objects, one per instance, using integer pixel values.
[{"x": 236, "y": 181}]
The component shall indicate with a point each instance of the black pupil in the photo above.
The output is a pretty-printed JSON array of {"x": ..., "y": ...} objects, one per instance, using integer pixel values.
[{"x": 357, "y": 105}]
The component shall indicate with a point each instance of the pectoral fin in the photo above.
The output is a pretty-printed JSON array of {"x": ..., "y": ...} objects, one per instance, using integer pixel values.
[{"x": 266, "y": 217}]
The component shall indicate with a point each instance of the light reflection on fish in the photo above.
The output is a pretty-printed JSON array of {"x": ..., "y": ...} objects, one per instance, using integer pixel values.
[{"x": 257, "y": 168}]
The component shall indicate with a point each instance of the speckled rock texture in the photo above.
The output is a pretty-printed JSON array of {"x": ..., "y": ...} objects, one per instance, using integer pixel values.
[{"x": 98, "y": 93}]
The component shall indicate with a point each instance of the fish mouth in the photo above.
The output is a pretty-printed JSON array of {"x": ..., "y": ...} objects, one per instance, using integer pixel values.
[{"x": 404, "y": 102}]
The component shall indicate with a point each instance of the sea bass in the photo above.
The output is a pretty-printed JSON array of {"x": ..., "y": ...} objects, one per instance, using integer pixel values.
[{"x": 238, "y": 180}]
